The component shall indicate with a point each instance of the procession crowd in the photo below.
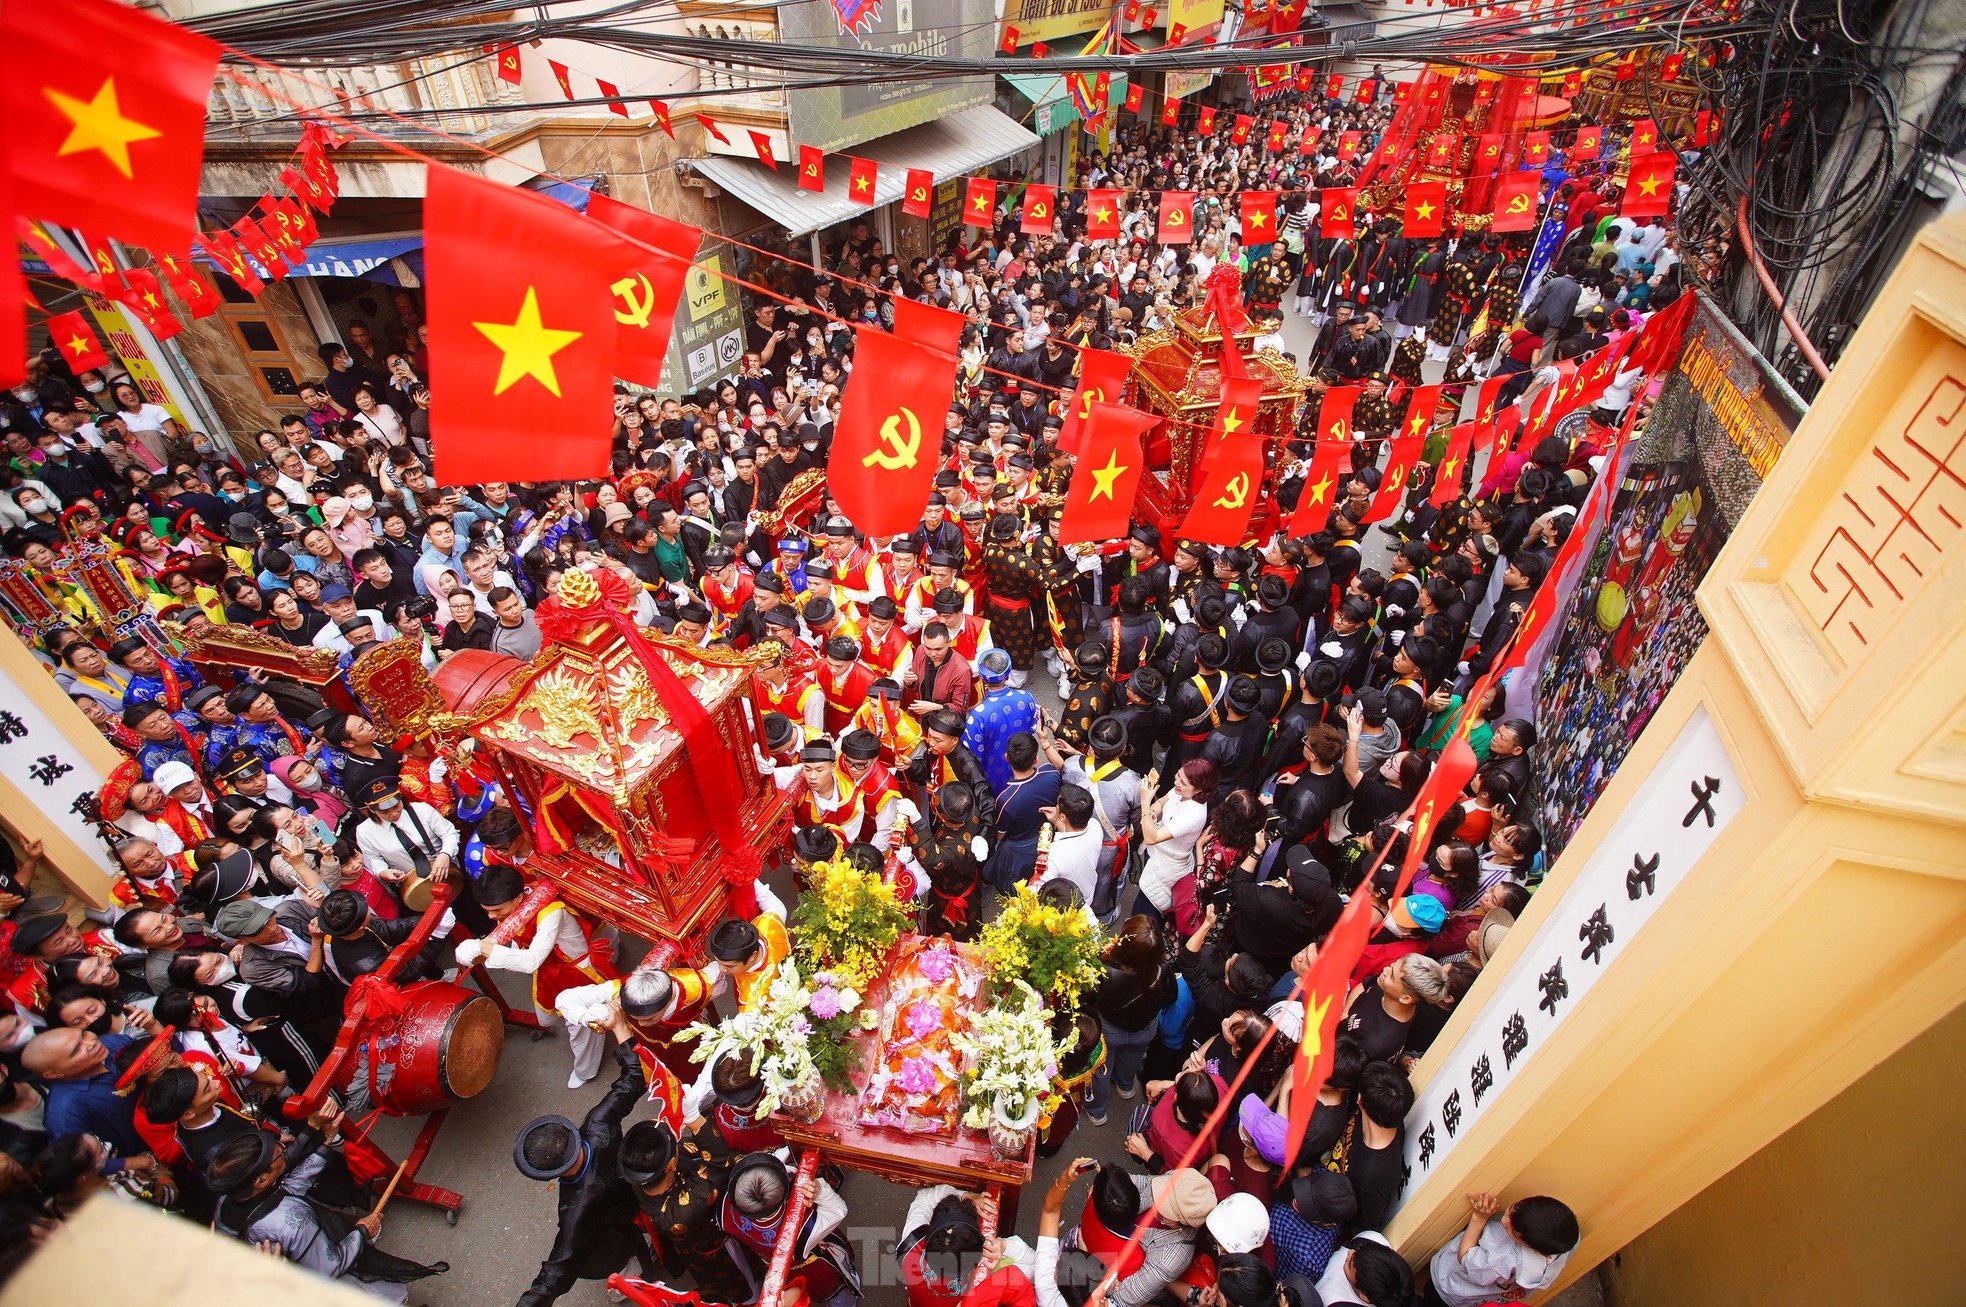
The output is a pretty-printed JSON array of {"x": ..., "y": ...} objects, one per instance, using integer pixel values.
[{"x": 1241, "y": 731}]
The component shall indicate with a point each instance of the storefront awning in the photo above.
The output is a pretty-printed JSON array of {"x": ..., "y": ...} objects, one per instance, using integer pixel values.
[
  {"x": 360, "y": 256},
  {"x": 1051, "y": 102},
  {"x": 964, "y": 142}
]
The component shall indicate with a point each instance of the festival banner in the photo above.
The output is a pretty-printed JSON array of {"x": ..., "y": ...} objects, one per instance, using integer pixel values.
[
  {"x": 1232, "y": 477},
  {"x": 1102, "y": 380},
  {"x": 1335, "y": 213},
  {"x": 918, "y": 196},
  {"x": 1329, "y": 460},
  {"x": 1515, "y": 201},
  {"x": 1099, "y": 500},
  {"x": 980, "y": 203}
]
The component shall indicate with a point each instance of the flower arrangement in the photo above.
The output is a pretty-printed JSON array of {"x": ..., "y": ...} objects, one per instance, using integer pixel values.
[
  {"x": 846, "y": 922},
  {"x": 1010, "y": 1057},
  {"x": 774, "y": 1035},
  {"x": 1052, "y": 949}
]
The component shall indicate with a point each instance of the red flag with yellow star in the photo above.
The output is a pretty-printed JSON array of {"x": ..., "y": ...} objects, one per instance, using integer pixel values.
[
  {"x": 1232, "y": 478},
  {"x": 1177, "y": 217},
  {"x": 1036, "y": 219},
  {"x": 1426, "y": 209},
  {"x": 1275, "y": 140},
  {"x": 1348, "y": 143},
  {"x": 1134, "y": 96},
  {"x": 144, "y": 297},
  {"x": 861, "y": 179},
  {"x": 980, "y": 203},
  {"x": 1644, "y": 138},
  {"x": 1535, "y": 149},
  {"x": 1205, "y": 120},
  {"x": 1102, "y": 215},
  {"x": 1329, "y": 459},
  {"x": 647, "y": 283},
  {"x": 1453, "y": 464},
  {"x": 1099, "y": 500},
  {"x": 1102, "y": 380},
  {"x": 1335, "y": 211},
  {"x": 113, "y": 145},
  {"x": 526, "y": 349},
  {"x": 1324, "y": 989},
  {"x": 1649, "y": 189},
  {"x": 78, "y": 345},
  {"x": 1515, "y": 201},
  {"x": 1259, "y": 217},
  {"x": 1439, "y": 792},
  {"x": 261, "y": 247},
  {"x": 918, "y": 195},
  {"x": 888, "y": 441}
]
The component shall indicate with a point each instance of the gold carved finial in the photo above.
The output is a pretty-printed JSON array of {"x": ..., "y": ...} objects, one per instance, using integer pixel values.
[{"x": 578, "y": 589}]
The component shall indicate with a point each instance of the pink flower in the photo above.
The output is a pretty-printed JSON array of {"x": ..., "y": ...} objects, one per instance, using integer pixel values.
[
  {"x": 922, "y": 1017},
  {"x": 825, "y": 1004},
  {"x": 917, "y": 1076},
  {"x": 938, "y": 964}
]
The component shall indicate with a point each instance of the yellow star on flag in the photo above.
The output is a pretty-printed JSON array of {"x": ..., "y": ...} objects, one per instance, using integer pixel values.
[
  {"x": 979, "y": 203},
  {"x": 99, "y": 125},
  {"x": 1648, "y": 185},
  {"x": 1417, "y": 425},
  {"x": 1103, "y": 214},
  {"x": 1321, "y": 489},
  {"x": 1423, "y": 210},
  {"x": 1256, "y": 218},
  {"x": 1231, "y": 421},
  {"x": 859, "y": 183},
  {"x": 1314, "y": 1025},
  {"x": 528, "y": 346},
  {"x": 1104, "y": 477},
  {"x": 77, "y": 346},
  {"x": 1447, "y": 468}
]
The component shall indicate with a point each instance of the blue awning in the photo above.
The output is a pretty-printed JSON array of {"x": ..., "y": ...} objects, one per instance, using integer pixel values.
[{"x": 361, "y": 257}]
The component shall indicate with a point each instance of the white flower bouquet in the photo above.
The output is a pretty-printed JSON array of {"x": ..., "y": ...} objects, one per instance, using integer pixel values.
[
  {"x": 774, "y": 1035},
  {"x": 1012, "y": 1059}
]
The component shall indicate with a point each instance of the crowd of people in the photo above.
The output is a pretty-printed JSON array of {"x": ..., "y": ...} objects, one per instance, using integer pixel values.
[{"x": 1238, "y": 735}]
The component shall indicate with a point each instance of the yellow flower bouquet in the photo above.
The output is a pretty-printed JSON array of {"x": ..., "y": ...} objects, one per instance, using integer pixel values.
[
  {"x": 846, "y": 923},
  {"x": 1054, "y": 950}
]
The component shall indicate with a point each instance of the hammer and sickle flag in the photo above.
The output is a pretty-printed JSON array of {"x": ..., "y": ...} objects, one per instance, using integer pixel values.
[
  {"x": 1585, "y": 146},
  {"x": 1336, "y": 205},
  {"x": 1099, "y": 501},
  {"x": 112, "y": 144},
  {"x": 1398, "y": 473},
  {"x": 1177, "y": 217},
  {"x": 1102, "y": 380},
  {"x": 1515, "y": 201},
  {"x": 1232, "y": 480},
  {"x": 918, "y": 197},
  {"x": 888, "y": 442},
  {"x": 1039, "y": 210},
  {"x": 526, "y": 346},
  {"x": 647, "y": 283},
  {"x": 812, "y": 168}
]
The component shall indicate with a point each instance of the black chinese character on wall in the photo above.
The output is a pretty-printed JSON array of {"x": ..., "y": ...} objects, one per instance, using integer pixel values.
[
  {"x": 1555, "y": 988},
  {"x": 48, "y": 769},
  {"x": 1643, "y": 878},
  {"x": 1515, "y": 1038},
  {"x": 1703, "y": 792},
  {"x": 1596, "y": 933},
  {"x": 1450, "y": 1113},
  {"x": 1427, "y": 1145},
  {"x": 11, "y": 727},
  {"x": 85, "y": 807},
  {"x": 1481, "y": 1078}
]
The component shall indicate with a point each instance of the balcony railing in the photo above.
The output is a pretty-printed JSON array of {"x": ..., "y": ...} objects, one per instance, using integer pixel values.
[{"x": 445, "y": 93}]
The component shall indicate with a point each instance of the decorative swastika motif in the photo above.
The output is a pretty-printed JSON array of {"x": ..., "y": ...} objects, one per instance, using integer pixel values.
[{"x": 1900, "y": 511}]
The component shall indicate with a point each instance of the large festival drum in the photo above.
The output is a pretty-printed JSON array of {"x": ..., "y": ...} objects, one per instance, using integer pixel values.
[{"x": 442, "y": 1047}]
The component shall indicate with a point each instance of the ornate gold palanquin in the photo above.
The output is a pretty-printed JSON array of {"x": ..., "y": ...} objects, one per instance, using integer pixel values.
[
  {"x": 1177, "y": 374},
  {"x": 223, "y": 652},
  {"x": 580, "y": 739}
]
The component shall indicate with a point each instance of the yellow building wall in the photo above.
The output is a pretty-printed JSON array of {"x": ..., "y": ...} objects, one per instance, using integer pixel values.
[{"x": 1854, "y": 1205}]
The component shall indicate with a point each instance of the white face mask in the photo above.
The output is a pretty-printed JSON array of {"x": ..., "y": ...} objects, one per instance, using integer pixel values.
[
  {"x": 30, "y": 505},
  {"x": 19, "y": 1038},
  {"x": 226, "y": 971},
  {"x": 94, "y": 387},
  {"x": 361, "y": 503}
]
